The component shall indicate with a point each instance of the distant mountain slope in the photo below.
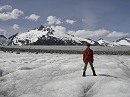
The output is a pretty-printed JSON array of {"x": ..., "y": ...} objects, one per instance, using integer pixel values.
[
  {"x": 3, "y": 40},
  {"x": 103, "y": 42},
  {"x": 45, "y": 35},
  {"x": 10, "y": 39},
  {"x": 125, "y": 41}
]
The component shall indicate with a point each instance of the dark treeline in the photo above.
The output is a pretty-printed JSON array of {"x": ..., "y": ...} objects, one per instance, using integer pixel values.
[{"x": 18, "y": 50}]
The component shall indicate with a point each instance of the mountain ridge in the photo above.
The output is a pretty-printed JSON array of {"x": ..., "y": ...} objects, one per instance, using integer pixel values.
[
  {"x": 46, "y": 35},
  {"x": 3, "y": 39}
]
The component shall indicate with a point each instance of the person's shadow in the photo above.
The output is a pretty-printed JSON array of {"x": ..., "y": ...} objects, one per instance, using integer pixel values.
[{"x": 107, "y": 75}]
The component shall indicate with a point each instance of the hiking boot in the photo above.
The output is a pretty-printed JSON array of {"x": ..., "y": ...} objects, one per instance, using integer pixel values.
[
  {"x": 94, "y": 75},
  {"x": 83, "y": 74}
]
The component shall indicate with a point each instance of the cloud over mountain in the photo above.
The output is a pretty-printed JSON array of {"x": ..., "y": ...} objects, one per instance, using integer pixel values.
[
  {"x": 15, "y": 26},
  {"x": 117, "y": 34},
  {"x": 98, "y": 33},
  {"x": 53, "y": 20},
  {"x": 14, "y": 14},
  {"x": 59, "y": 29},
  {"x": 90, "y": 33},
  {"x": 2, "y": 32},
  {"x": 70, "y": 21},
  {"x": 33, "y": 17},
  {"x": 5, "y": 7}
]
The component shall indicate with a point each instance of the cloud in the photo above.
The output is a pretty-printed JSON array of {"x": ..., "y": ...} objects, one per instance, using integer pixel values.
[
  {"x": 70, "y": 21},
  {"x": 5, "y": 7},
  {"x": 15, "y": 14},
  {"x": 117, "y": 34},
  {"x": 33, "y": 17},
  {"x": 53, "y": 20},
  {"x": 59, "y": 28},
  {"x": 2, "y": 32},
  {"x": 90, "y": 33},
  {"x": 100, "y": 33},
  {"x": 15, "y": 27}
]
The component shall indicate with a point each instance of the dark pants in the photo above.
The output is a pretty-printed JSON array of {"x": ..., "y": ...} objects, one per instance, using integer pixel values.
[{"x": 85, "y": 67}]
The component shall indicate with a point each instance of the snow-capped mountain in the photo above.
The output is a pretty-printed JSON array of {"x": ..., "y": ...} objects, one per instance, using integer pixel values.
[
  {"x": 103, "y": 42},
  {"x": 125, "y": 41},
  {"x": 3, "y": 40},
  {"x": 10, "y": 39},
  {"x": 45, "y": 35}
]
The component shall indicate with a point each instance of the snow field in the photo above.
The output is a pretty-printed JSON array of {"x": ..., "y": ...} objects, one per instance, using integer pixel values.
[{"x": 60, "y": 75}]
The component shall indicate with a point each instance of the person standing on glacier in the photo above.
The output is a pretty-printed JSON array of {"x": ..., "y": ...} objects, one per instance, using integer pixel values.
[{"x": 88, "y": 58}]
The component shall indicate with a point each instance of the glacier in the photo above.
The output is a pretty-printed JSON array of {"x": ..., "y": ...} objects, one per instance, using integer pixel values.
[{"x": 60, "y": 75}]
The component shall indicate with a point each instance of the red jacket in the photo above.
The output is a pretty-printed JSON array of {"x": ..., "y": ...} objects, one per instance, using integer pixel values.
[{"x": 88, "y": 55}]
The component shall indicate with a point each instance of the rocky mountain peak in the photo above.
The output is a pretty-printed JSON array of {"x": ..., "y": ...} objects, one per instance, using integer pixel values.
[
  {"x": 46, "y": 28},
  {"x": 2, "y": 36}
]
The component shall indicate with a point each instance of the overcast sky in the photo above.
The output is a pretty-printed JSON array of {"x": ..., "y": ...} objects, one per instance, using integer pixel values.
[{"x": 108, "y": 19}]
